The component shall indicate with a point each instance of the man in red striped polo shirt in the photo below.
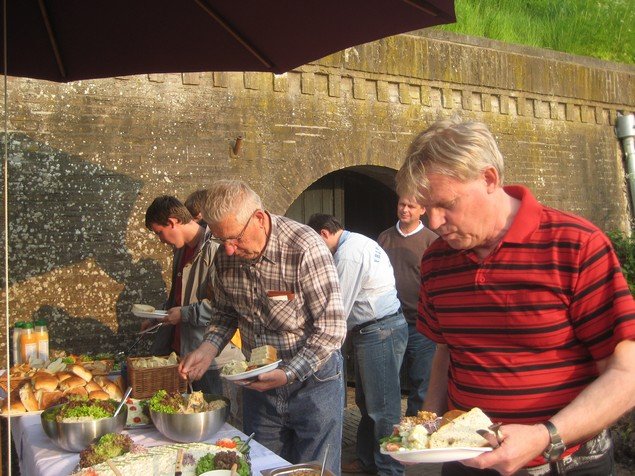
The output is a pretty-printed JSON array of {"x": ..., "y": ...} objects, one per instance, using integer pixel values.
[{"x": 532, "y": 316}]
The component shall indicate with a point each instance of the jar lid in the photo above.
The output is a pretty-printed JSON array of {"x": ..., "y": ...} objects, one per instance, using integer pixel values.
[
  {"x": 19, "y": 325},
  {"x": 40, "y": 322},
  {"x": 27, "y": 325}
]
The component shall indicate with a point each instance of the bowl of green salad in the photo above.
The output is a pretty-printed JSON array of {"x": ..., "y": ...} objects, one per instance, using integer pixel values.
[{"x": 73, "y": 425}]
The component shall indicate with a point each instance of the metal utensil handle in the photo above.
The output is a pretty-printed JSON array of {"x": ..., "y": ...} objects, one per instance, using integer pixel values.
[
  {"x": 123, "y": 401},
  {"x": 326, "y": 454},
  {"x": 244, "y": 445}
]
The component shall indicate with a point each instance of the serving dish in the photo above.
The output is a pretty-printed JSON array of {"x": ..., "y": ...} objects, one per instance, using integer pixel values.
[
  {"x": 297, "y": 470},
  {"x": 76, "y": 436},
  {"x": 191, "y": 427}
]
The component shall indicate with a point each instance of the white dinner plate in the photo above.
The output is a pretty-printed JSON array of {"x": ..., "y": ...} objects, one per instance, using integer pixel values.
[
  {"x": 252, "y": 373},
  {"x": 436, "y": 455},
  {"x": 151, "y": 315}
]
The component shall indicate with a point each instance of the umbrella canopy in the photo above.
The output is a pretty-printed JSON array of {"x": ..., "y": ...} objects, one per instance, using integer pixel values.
[{"x": 69, "y": 40}]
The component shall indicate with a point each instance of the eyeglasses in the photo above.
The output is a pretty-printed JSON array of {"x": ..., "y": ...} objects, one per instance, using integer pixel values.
[{"x": 234, "y": 240}]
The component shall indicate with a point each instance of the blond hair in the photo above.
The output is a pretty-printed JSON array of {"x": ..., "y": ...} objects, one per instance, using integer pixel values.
[
  {"x": 461, "y": 150},
  {"x": 230, "y": 198}
]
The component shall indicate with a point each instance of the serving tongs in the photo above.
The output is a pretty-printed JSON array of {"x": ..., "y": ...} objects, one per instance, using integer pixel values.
[
  {"x": 493, "y": 435},
  {"x": 142, "y": 334}
]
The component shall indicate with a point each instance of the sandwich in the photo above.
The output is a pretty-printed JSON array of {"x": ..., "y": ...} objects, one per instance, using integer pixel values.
[
  {"x": 46, "y": 382},
  {"x": 462, "y": 431},
  {"x": 27, "y": 397},
  {"x": 80, "y": 371},
  {"x": 142, "y": 308},
  {"x": 263, "y": 355}
]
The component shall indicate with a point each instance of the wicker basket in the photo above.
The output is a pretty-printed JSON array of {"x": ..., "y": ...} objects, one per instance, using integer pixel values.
[{"x": 146, "y": 382}]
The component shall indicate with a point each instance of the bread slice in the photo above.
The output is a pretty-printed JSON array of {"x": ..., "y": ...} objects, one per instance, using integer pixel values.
[
  {"x": 27, "y": 397},
  {"x": 71, "y": 383},
  {"x": 80, "y": 371},
  {"x": 48, "y": 399},
  {"x": 461, "y": 432},
  {"x": 263, "y": 355}
]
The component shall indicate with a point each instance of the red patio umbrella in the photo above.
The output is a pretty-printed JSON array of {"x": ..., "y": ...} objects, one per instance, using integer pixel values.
[{"x": 69, "y": 40}]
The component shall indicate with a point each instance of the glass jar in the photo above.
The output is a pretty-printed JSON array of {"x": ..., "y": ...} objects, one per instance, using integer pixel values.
[{"x": 15, "y": 354}]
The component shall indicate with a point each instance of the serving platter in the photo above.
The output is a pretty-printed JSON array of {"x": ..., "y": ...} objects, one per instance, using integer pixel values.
[
  {"x": 436, "y": 455},
  {"x": 252, "y": 373},
  {"x": 157, "y": 314}
]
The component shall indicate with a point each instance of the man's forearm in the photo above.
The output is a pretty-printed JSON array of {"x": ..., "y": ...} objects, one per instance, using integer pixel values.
[
  {"x": 436, "y": 395},
  {"x": 604, "y": 401}
]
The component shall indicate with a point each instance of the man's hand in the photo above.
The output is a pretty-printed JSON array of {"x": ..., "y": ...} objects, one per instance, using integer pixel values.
[
  {"x": 173, "y": 317},
  {"x": 147, "y": 323},
  {"x": 263, "y": 382},
  {"x": 196, "y": 363},
  {"x": 521, "y": 444}
]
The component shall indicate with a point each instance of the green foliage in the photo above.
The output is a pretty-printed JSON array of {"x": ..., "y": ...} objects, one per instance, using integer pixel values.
[
  {"x": 602, "y": 29},
  {"x": 625, "y": 248}
]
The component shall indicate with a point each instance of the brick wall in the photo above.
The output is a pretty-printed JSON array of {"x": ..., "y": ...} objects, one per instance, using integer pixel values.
[{"x": 87, "y": 158}]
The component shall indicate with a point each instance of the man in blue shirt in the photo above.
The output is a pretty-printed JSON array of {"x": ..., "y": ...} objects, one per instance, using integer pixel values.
[{"x": 378, "y": 333}]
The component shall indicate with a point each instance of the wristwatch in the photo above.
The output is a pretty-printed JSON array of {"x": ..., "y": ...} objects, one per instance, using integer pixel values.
[{"x": 556, "y": 445}]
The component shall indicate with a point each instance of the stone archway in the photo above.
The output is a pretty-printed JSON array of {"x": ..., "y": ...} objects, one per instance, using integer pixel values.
[{"x": 362, "y": 197}]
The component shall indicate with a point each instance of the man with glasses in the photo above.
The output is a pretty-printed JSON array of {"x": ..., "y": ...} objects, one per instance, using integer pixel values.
[{"x": 277, "y": 282}]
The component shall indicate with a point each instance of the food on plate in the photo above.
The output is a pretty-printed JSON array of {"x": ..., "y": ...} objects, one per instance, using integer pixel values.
[
  {"x": 426, "y": 430},
  {"x": 27, "y": 397},
  {"x": 81, "y": 372},
  {"x": 461, "y": 431},
  {"x": 83, "y": 410},
  {"x": 154, "y": 361},
  {"x": 71, "y": 383},
  {"x": 108, "y": 446},
  {"x": 234, "y": 367},
  {"x": 164, "y": 402},
  {"x": 262, "y": 355},
  {"x": 16, "y": 405},
  {"x": 142, "y": 308},
  {"x": 98, "y": 395},
  {"x": 223, "y": 460}
]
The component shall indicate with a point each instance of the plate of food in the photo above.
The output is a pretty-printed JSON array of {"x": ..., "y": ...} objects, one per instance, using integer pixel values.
[
  {"x": 263, "y": 359},
  {"x": 426, "y": 438},
  {"x": 148, "y": 312}
]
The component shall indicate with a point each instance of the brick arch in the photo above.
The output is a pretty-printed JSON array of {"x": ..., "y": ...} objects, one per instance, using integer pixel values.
[{"x": 363, "y": 197}]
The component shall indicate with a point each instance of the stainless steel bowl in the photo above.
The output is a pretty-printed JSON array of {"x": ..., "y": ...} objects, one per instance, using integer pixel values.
[
  {"x": 191, "y": 427},
  {"x": 76, "y": 436}
]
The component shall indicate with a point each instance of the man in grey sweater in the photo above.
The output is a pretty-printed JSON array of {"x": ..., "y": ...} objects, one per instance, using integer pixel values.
[{"x": 404, "y": 244}]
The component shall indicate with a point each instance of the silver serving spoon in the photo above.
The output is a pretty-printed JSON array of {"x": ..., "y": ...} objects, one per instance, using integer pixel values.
[
  {"x": 123, "y": 401},
  {"x": 244, "y": 445}
]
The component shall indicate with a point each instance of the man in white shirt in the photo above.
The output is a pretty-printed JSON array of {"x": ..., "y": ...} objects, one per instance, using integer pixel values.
[{"x": 378, "y": 333}]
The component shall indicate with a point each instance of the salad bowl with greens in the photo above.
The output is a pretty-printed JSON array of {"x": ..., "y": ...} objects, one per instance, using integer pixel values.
[{"x": 74, "y": 425}]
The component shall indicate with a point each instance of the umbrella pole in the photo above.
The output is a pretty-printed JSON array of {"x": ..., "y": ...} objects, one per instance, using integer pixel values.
[{"x": 6, "y": 234}]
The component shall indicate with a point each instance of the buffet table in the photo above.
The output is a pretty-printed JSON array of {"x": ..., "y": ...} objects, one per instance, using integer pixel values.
[{"x": 38, "y": 456}]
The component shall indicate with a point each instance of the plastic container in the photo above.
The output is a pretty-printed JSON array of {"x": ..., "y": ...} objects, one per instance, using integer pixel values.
[
  {"x": 42, "y": 340},
  {"x": 17, "y": 330},
  {"x": 28, "y": 343}
]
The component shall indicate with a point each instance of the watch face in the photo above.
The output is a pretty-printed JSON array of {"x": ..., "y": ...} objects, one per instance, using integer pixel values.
[{"x": 554, "y": 451}]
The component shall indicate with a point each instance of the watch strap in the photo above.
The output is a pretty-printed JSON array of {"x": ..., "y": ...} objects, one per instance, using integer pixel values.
[{"x": 556, "y": 445}]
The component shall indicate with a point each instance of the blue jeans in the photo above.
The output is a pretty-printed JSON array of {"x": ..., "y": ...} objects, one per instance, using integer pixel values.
[
  {"x": 379, "y": 350},
  {"x": 297, "y": 421},
  {"x": 419, "y": 354}
]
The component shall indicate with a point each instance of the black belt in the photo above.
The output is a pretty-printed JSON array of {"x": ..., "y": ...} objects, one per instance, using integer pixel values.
[{"x": 359, "y": 327}]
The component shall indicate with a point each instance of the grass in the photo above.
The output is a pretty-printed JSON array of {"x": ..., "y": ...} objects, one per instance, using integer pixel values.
[{"x": 602, "y": 29}]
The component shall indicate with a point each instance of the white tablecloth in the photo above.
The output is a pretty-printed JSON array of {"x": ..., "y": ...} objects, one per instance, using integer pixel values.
[{"x": 38, "y": 456}]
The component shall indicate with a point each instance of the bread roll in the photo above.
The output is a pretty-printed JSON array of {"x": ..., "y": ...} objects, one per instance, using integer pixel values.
[
  {"x": 72, "y": 382},
  {"x": 98, "y": 395},
  {"x": 93, "y": 386},
  {"x": 16, "y": 406},
  {"x": 101, "y": 380},
  {"x": 81, "y": 372},
  {"x": 113, "y": 390},
  {"x": 76, "y": 391},
  {"x": 46, "y": 382},
  {"x": 49, "y": 399},
  {"x": 61, "y": 376},
  {"x": 27, "y": 397}
]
